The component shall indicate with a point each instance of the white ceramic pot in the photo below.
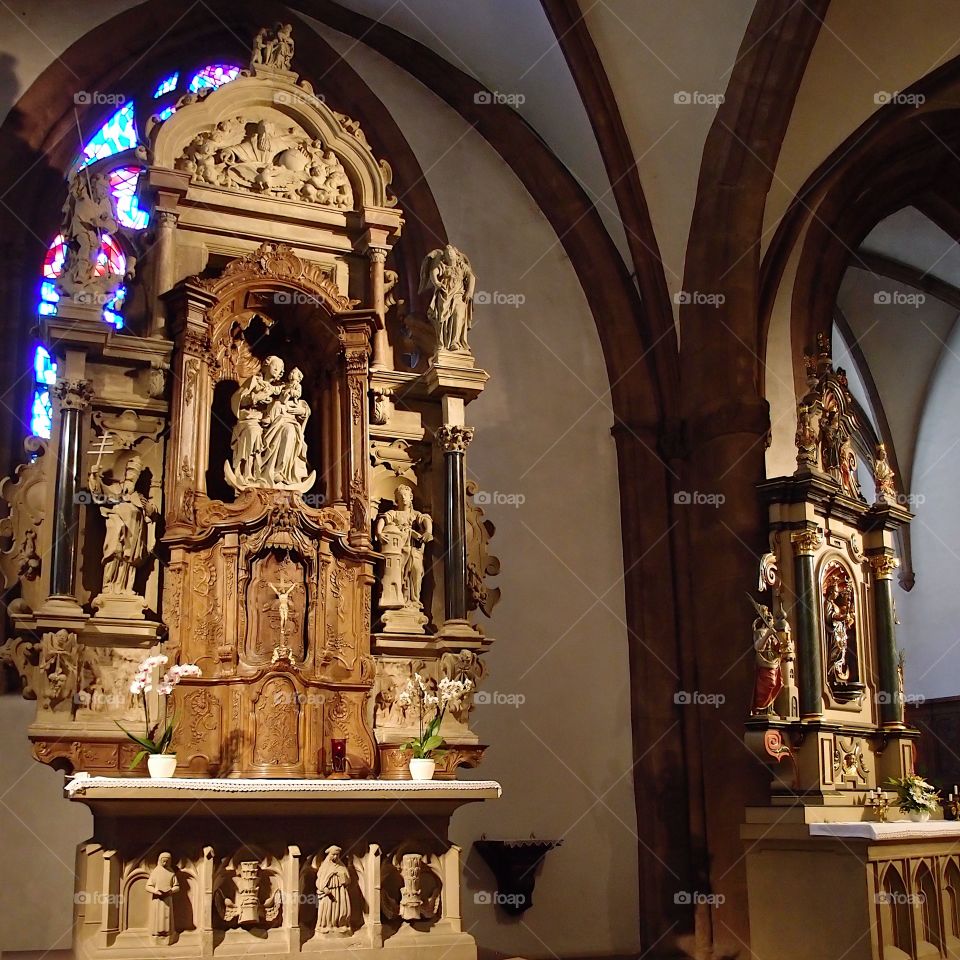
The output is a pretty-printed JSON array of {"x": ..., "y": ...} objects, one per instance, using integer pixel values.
[
  {"x": 162, "y": 765},
  {"x": 422, "y": 769},
  {"x": 919, "y": 816}
]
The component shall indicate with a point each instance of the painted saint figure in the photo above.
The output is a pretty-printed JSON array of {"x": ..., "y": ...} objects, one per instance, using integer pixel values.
[
  {"x": 128, "y": 514},
  {"x": 333, "y": 894},
  {"x": 162, "y": 885},
  {"x": 769, "y": 655}
]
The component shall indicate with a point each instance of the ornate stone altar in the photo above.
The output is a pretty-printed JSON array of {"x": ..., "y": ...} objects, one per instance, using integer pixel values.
[
  {"x": 255, "y": 477},
  {"x": 828, "y": 709}
]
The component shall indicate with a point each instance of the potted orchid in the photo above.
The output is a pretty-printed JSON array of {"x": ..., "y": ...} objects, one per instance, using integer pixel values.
[
  {"x": 155, "y": 742},
  {"x": 915, "y": 797},
  {"x": 426, "y": 747}
]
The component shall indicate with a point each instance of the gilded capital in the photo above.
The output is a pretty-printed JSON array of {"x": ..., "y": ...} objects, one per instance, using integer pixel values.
[
  {"x": 454, "y": 439},
  {"x": 807, "y": 541},
  {"x": 884, "y": 565}
]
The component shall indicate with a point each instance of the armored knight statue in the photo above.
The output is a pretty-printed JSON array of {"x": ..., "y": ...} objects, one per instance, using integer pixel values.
[{"x": 448, "y": 279}]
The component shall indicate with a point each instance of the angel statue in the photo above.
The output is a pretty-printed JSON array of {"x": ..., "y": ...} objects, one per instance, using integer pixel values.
[{"x": 448, "y": 279}]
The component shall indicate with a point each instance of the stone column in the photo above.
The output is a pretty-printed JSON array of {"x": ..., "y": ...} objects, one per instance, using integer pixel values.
[
  {"x": 805, "y": 545},
  {"x": 164, "y": 267},
  {"x": 454, "y": 440},
  {"x": 73, "y": 397},
  {"x": 382, "y": 359},
  {"x": 891, "y": 692}
]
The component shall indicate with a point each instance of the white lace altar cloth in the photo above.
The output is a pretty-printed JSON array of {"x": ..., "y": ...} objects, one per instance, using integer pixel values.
[
  {"x": 82, "y": 782},
  {"x": 899, "y": 830}
]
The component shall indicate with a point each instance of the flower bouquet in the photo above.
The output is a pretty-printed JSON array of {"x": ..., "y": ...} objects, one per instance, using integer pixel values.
[
  {"x": 915, "y": 797},
  {"x": 426, "y": 748},
  {"x": 155, "y": 742}
]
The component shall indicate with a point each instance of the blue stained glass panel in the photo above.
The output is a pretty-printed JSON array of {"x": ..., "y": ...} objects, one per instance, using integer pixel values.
[
  {"x": 41, "y": 415},
  {"x": 44, "y": 369},
  {"x": 118, "y": 134},
  {"x": 123, "y": 186},
  {"x": 165, "y": 86}
]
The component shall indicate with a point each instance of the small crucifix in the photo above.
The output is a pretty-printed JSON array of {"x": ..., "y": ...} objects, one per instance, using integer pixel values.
[{"x": 282, "y": 589}]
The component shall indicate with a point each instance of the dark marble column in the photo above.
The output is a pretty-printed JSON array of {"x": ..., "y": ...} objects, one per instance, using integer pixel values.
[
  {"x": 891, "y": 687},
  {"x": 73, "y": 396},
  {"x": 454, "y": 441},
  {"x": 805, "y": 544}
]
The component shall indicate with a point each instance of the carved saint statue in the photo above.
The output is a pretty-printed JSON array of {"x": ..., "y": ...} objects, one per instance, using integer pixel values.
[
  {"x": 403, "y": 533},
  {"x": 162, "y": 885},
  {"x": 769, "y": 655},
  {"x": 87, "y": 215},
  {"x": 840, "y": 619},
  {"x": 128, "y": 514},
  {"x": 448, "y": 279},
  {"x": 883, "y": 476},
  {"x": 333, "y": 894},
  {"x": 805, "y": 438},
  {"x": 268, "y": 443},
  {"x": 273, "y": 48}
]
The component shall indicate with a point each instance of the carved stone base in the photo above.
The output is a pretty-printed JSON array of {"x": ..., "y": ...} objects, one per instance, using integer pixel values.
[
  {"x": 460, "y": 629},
  {"x": 238, "y": 872},
  {"x": 404, "y": 620},
  {"x": 119, "y": 606}
]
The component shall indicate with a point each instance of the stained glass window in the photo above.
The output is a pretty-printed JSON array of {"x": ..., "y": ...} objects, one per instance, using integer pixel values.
[
  {"x": 109, "y": 260},
  {"x": 165, "y": 86},
  {"x": 45, "y": 375},
  {"x": 119, "y": 133},
  {"x": 123, "y": 185},
  {"x": 214, "y": 75},
  {"x": 166, "y": 112}
]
